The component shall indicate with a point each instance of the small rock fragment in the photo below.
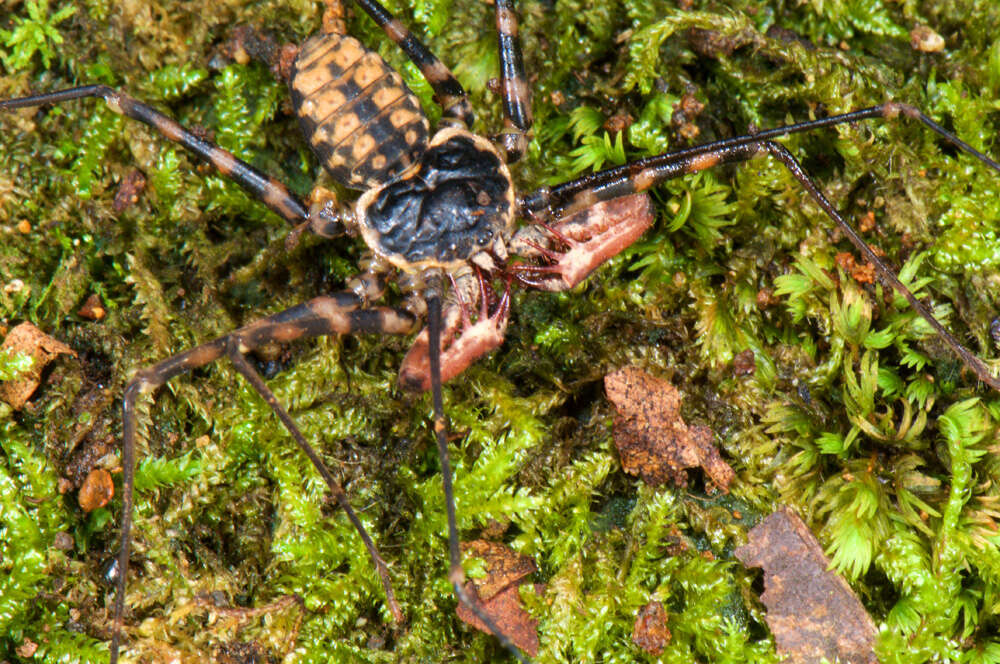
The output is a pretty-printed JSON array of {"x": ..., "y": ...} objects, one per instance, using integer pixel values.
[{"x": 96, "y": 491}]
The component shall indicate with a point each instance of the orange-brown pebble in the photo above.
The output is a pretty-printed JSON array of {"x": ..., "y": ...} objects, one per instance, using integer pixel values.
[{"x": 97, "y": 490}]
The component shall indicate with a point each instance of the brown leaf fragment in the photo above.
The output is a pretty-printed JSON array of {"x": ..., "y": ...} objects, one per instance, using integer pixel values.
[
  {"x": 97, "y": 490},
  {"x": 496, "y": 594},
  {"x": 812, "y": 612},
  {"x": 504, "y": 566},
  {"x": 650, "y": 629},
  {"x": 652, "y": 438},
  {"x": 509, "y": 615},
  {"x": 26, "y": 339}
]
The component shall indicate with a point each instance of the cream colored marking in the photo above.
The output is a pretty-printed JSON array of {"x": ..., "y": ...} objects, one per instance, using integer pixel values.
[
  {"x": 402, "y": 117},
  {"x": 362, "y": 146},
  {"x": 169, "y": 128},
  {"x": 507, "y": 22},
  {"x": 370, "y": 69},
  {"x": 336, "y": 160},
  {"x": 326, "y": 309},
  {"x": 701, "y": 162},
  {"x": 202, "y": 355},
  {"x": 223, "y": 160},
  {"x": 320, "y": 136},
  {"x": 410, "y": 137},
  {"x": 308, "y": 81},
  {"x": 583, "y": 200},
  {"x": 348, "y": 52},
  {"x": 286, "y": 332},
  {"x": 396, "y": 30},
  {"x": 346, "y": 125},
  {"x": 276, "y": 195},
  {"x": 114, "y": 103},
  {"x": 436, "y": 72},
  {"x": 378, "y": 163},
  {"x": 645, "y": 179},
  {"x": 323, "y": 104},
  {"x": 315, "y": 49},
  {"x": 517, "y": 87},
  {"x": 385, "y": 96}
]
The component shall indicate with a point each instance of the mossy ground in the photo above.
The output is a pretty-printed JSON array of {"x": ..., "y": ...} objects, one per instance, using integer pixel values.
[{"x": 854, "y": 415}]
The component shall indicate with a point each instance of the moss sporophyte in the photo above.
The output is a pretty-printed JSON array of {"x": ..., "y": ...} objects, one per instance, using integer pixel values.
[{"x": 855, "y": 413}]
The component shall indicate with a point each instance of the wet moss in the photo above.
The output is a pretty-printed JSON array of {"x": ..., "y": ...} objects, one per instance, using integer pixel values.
[{"x": 855, "y": 415}]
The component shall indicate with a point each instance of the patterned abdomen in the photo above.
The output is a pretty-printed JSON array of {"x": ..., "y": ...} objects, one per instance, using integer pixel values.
[{"x": 361, "y": 120}]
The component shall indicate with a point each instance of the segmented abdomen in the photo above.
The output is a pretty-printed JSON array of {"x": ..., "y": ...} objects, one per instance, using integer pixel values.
[{"x": 361, "y": 120}]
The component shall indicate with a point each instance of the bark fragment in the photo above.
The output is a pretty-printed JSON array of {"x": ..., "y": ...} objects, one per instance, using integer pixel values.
[
  {"x": 812, "y": 612},
  {"x": 497, "y": 593}
]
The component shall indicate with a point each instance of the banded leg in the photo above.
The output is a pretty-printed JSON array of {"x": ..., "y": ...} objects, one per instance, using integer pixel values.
[
  {"x": 335, "y": 314},
  {"x": 448, "y": 92},
  {"x": 640, "y": 175},
  {"x": 514, "y": 87},
  {"x": 456, "y": 575},
  {"x": 268, "y": 190}
]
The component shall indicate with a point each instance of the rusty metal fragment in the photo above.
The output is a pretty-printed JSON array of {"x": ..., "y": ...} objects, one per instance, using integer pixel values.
[{"x": 812, "y": 612}]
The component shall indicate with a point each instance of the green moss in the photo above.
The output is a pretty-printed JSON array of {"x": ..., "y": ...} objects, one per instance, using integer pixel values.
[{"x": 856, "y": 415}]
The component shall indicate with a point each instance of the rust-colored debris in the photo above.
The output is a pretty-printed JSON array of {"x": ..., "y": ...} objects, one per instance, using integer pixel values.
[
  {"x": 239, "y": 652},
  {"x": 618, "y": 123},
  {"x": 812, "y": 612},
  {"x": 745, "y": 363},
  {"x": 27, "y": 648},
  {"x": 650, "y": 629},
  {"x": 27, "y": 339},
  {"x": 132, "y": 185},
  {"x": 97, "y": 490},
  {"x": 92, "y": 308},
  {"x": 686, "y": 111},
  {"x": 652, "y": 439},
  {"x": 497, "y": 593},
  {"x": 862, "y": 272}
]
